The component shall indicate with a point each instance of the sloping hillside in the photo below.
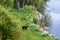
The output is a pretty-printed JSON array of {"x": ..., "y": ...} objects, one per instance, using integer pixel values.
[{"x": 13, "y": 25}]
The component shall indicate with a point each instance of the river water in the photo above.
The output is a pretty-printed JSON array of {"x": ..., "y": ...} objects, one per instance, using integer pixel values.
[
  {"x": 54, "y": 6},
  {"x": 55, "y": 27}
]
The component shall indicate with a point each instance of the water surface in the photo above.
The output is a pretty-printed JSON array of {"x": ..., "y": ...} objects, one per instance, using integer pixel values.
[{"x": 54, "y": 6}]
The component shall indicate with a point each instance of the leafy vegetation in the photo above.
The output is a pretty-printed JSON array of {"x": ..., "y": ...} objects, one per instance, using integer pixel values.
[{"x": 12, "y": 20}]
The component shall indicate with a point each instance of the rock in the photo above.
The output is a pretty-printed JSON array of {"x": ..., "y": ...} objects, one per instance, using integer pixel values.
[
  {"x": 46, "y": 28},
  {"x": 51, "y": 35},
  {"x": 45, "y": 32}
]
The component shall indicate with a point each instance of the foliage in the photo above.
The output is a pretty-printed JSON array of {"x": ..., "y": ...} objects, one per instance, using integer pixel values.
[
  {"x": 46, "y": 21},
  {"x": 12, "y": 20},
  {"x": 7, "y": 3},
  {"x": 40, "y": 6},
  {"x": 8, "y": 29},
  {"x": 33, "y": 26}
]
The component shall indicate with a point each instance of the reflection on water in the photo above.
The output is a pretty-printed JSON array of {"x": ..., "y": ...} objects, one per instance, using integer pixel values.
[
  {"x": 55, "y": 27},
  {"x": 55, "y": 13}
]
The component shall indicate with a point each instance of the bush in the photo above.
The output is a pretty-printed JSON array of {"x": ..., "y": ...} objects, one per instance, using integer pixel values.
[
  {"x": 7, "y": 3},
  {"x": 8, "y": 29}
]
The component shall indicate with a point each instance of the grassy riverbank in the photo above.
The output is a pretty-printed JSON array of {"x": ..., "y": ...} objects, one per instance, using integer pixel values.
[{"x": 12, "y": 21}]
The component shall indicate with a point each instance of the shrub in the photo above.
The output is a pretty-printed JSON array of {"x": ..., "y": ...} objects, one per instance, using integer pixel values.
[{"x": 8, "y": 29}]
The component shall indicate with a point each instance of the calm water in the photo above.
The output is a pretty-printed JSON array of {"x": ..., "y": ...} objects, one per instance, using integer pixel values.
[
  {"x": 55, "y": 27},
  {"x": 54, "y": 6}
]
